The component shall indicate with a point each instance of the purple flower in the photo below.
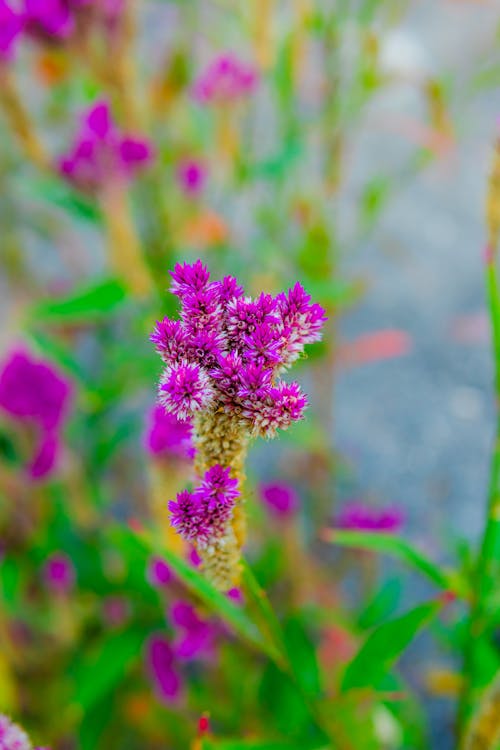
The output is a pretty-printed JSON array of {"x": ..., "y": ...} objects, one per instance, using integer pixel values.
[
  {"x": 159, "y": 574},
  {"x": 196, "y": 637},
  {"x": 360, "y": 517},
  {"x": 45, "y": 459},
  {"x": 280, "y": 498},
  {"x": 102, "y": 154},
  {"x": 167, "y": 436},
  {"x": 236, "y": 595},
  {"x": 225, "y": 79},
  {"x": 11, "y": 24},
  {"x": 202, "y": 516},
  {"x": 191, "y": 176},
  {"x": 33, "y": 391},
  {"x": 59, "y": 573},
  {"x": 12, "y": 737},
  {"x": 228, "y": 350},
  {"x": 185, "y": 389},
  {"x": 160, "y": 662},
  {"x": 48, "y": 19}
]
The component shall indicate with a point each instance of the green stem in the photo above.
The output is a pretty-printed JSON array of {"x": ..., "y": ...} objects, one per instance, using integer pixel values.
[{"x": 487, "y": 568}]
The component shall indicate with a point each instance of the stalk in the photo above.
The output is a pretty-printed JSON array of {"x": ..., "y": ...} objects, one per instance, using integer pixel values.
[
  {"x": 486, "y": 575},
  {"x": 19, "y": 120}
]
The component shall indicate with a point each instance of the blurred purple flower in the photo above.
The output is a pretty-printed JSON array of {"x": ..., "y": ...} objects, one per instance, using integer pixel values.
[
  {"x": 194, "y": 558},
  {"x": 160, "y": 661},
  {"x": 191, "y": 176},
  {"x": 158, "y": 573},
  {"x": 45, "y": 459},
  {"x": 48, "y": 19},
  {"x": 168, "y": 436},
  {"x": 225, "y": 79},
  {"x": 281, "y": 499},
  {"x": 11, "y": 24},
  {"x": 12, "y": 737},
  {"x": 59, "y": 573},
  {"x": 236, "y": 595},
  {"x": 360, "y": 517},
  {"x": 196, "y": 637},
  {"x": 33, "y": 390},
  {"x": 102, "y": 154}
]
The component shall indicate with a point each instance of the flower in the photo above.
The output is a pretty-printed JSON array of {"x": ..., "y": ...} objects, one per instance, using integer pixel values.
[
  {"x": 160, "y": 661},
  {"x": 225, "y": 79},
  {"x": 33, "y": 391},
  {"x": 159, "y": 574},
  {"x": 59, "y": 573},
  {"x": 191, "y": 176},
  {"x": 101, "y": 153},
  {"x": 11, "y": 24},
  {"x": 48, "y": 19},
  {"x": 45, "y": 458},
  {"x": 360, "y": 517},
  {"x": 281, "y": 499},
  {"x": 201, "y": 516},
  {"x": 12, "y": 737},
  {"x": 228, "y": 350},
  {"x": 195, "y": 635},
  {"x": 167, "y": 436}
]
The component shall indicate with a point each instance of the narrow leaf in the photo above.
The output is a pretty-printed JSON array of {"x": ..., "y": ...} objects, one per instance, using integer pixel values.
[{"x": 88, "y": 303}]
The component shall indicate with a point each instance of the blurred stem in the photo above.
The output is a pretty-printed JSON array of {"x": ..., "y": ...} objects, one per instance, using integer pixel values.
[
  {"x": 19, "y": 120},
  {"x": 125, "y": 253},
  {"x": 486, "y": 575}
]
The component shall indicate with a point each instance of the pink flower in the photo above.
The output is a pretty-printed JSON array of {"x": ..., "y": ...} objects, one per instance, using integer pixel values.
[
  {"x": 45, "y": 459},
  {"x": 196, "y": 637},
  {"x": 11, "y": 24},
  {"x": 59, "y": 573},
  {"x": 360, "y": 517},
  {"x": 162, "y": 670},
  {"x": 167, "y": 436},
  {"x": 191, "y": 176},
  {"x": 281, "y": 499},
  {"x": 12, "y": 737},
  {"x": 185, "y": 389},
  {"x": 159, "y": 574},
  {"x": 101, "y": 153},
  {"x": 225, "y": 79}
]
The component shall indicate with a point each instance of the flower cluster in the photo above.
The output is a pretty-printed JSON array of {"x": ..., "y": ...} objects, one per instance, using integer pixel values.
[
  {"x": 12, "y": 737},
  {"x": 34, "y": 394},
  {"x": 102, "y": 154},
  {"x": 360, "y": 517},
  {"x": 225, "y": 79},
  {"x": 167, "y": 436},
  {"x": 202, "y": 515},
  {"x": 280, "y": 499},
  {"x": 227, "y": 351}
]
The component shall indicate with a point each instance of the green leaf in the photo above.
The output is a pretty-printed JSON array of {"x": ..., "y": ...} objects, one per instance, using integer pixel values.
[
  {"x": 384, "y": 645},
  {"x": 239, "y": 744},
  {"x": 381, "y": 606},
  {"x": 302, "y": 657},
  {"x": 85, "y": 304},
  {"x": 203, "y": 589},
  {"x": 402, "y": 550},
  {"x": 100, "y": 672}
]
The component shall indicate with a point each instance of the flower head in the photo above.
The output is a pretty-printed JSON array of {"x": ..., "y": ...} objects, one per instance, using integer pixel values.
[
  {"x": 12, "y": 737},
  {"x": 101, "y": 153},
  {"x": 191, "y": 176},
  {"x": 59, "y": 573},
  {"x": 163, "y": 672},
  {"x": 167, "y": 436},
  {"x": 361, "y": 517},
  {"x": 159, "y": 574},
  {"x": 225, "y": 79},
  {"x": 11, "y": 25},
  {"x": 185, "y": 389},
  {"x": 196, "y": 636},
  {"x": 281, "y": 499}
]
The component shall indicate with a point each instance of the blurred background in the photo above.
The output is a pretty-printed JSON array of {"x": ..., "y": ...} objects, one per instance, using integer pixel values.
[{"x": 345, "y": 145}]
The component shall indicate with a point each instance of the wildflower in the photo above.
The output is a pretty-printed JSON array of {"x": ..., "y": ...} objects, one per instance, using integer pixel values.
[
  {"x": 12, "y": 737},
  {"x": 48, "y": 20},
  {"x": 167, "y": 436},
  {"x": 195, "y": 635},
  {"x": 59, "y": 573},
  {"x": 225, "y": 79},
  {"x": 102, "y": 154},
  {"x": 191, "y": 176},
  {"x": 36, "y": 398},
  {"x": 281, "y": 499},
  {"x": 360, "y": 517},
  {"x": 11, "y": 24},
  {"x": 159, "y": 574},
  {"x": 224, "y": 360},
  {"x": 160, "y": 660}
]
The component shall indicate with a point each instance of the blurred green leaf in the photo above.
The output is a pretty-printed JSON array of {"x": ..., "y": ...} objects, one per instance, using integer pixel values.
[
  {"x": 382, "y": 605},
  {"x": 60, "y": 194},
  {"x": 253, "y": 744},
  {"x": 98, "y": 673},
  {"x": 302, "y": 656},
  {"x": 384, "y": 645},
  {"x": 85, "y": 304},
  {"x": 402, "y": 550}
]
